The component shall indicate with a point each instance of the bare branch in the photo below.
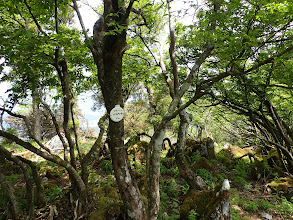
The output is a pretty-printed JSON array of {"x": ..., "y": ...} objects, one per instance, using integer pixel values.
[
  {"x": 172, "y": 48},
  {"x": 128, "y": 10},
  {"x": 76, "y": 8},
  {"x": 135, "y": 55},
  {"x": 148, "y": 48},
  {"x": 270, "y": 85}
]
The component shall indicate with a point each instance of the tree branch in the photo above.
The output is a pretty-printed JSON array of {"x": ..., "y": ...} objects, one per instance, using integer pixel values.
[
  {"x": 31, "y": 134},
  {"x": 172, "y": 47},
  {"x": 128, "y": 10},
  {"x": 34, "y": 18},
  {"x": 76, "y": 8}
]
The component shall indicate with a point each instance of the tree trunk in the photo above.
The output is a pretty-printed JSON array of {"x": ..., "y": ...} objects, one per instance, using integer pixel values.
[
  {"x": 37, "y": 116},
  {"x": 27, "y": 177},
  {"x": 154, "y": 173},
  {"x": 81, "y": 187},
  {"x": 190, "y": 177},
  {"x": 15, "y": 207},
  {"x": 39, "y": 196},
  {"x": 108, "y": 52}
]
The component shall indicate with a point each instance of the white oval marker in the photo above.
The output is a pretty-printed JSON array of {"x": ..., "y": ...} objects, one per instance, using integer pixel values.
[{"x": 117, "y": 113}]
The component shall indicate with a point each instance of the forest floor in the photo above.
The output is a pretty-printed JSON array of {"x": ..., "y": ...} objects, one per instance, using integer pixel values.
[{"x": 251, "y": 195}]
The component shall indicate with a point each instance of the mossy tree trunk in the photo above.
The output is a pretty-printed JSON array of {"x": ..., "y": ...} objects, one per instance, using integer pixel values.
[{"x": 15, "y": 208}]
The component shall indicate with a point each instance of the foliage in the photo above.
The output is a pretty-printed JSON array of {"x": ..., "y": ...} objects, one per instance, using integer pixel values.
[
  {"x": 106, "y": 167},
  {"x": 237, "y": 53},
  {"x": 250, "y": 206},
  {"x": 192, "y": 215},
  {"x": 264, "y": 204},
  {"x": 241, "y": 173},
  {"x": 53, "y": 193},
  {"x": 284, "y": 206}
]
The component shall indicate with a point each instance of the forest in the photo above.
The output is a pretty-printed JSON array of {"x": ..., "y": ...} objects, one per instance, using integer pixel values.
[{"x": 194, "y": 100}]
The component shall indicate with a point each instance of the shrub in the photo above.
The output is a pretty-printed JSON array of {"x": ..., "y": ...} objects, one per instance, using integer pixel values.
[
  {"x": 106, "y": 167},
  {"x": 240, "y": 181},
  {"x": 250, "y": 206},
  {"x": 195, "y": 156},
  {"x": 206, "y": 175},
  {"x": 284, "y": 207},
  {"x": 53, "y": 193},
  {"x": 192, "y": 215},
  {"x": 241, "y": 169}
]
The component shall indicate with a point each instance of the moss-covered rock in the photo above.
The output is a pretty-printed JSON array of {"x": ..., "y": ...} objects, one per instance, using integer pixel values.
[
  {"x": 137, "y": 151},
  {"x": 204, "y": 146},
  {"x": 168, "y": 162},
  {"x": 195, "y": 200},
  {"x": 109, "y": 204},
  {"x": 209, "y": 204},
  {"x": 284, "y": 186},
  {"x": 202, "y": 163}
]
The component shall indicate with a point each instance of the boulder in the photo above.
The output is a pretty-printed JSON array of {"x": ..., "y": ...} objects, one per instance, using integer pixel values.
[
  {"x": 284, "y": 186},
  {"x": 55, "y": 144},
  {"x": 209, "y": 204},
  {"x": 205, "y": 147},
  {"x": 108, "y": 203},
  {"x": 265, "y": 215}
]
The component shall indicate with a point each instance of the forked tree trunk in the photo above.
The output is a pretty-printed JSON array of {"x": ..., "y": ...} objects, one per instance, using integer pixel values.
[{"x": 108, "y": 51}]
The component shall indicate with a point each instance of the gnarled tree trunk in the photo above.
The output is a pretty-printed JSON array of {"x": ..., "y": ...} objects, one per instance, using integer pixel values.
[{"x": 108, "y": 50}]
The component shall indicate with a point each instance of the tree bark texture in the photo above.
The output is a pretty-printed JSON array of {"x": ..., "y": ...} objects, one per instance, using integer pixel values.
[{"x": 154, "y": 173}]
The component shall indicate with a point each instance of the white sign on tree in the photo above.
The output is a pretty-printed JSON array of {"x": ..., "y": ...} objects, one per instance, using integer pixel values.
[{"x": 117, "y": 113}]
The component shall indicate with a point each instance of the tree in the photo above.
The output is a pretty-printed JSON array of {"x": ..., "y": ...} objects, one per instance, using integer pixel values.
[{"x": 42, "y": 52}]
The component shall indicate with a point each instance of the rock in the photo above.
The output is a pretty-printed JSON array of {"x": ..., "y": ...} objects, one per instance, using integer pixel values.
[
  {"x": 45, "y": 179},
  {"x": 108, "y": 203},
  {"x": 205, "y": 147},
  {"x": 55, "y": 144},
  {"x": 220, "y": 208},
  {"x": 237, "y": 152},
  {"x": 202, "y": 163},
  {"x": 209, "y": 204},
  {"x": 266, "y": 216},
  {"x": 284, "y": 185}
]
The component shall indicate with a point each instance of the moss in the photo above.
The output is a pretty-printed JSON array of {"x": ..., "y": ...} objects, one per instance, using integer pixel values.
[
  {"x": 202, "y": 163},
  {"x": 206, "y": 203},
  {"x": 284, "y": 185},
  {"x": 137, "y": 151},
  {"x": 168, "y": 162},
  {"x": 108, "y": 203},
  {"x": 258, "y": 170},
  {"x": 215, "y": 207},
  {"x": 191, "y": 146},
  {"x": 273, "y": 153},
  {"x": 195, "y": 200}
]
